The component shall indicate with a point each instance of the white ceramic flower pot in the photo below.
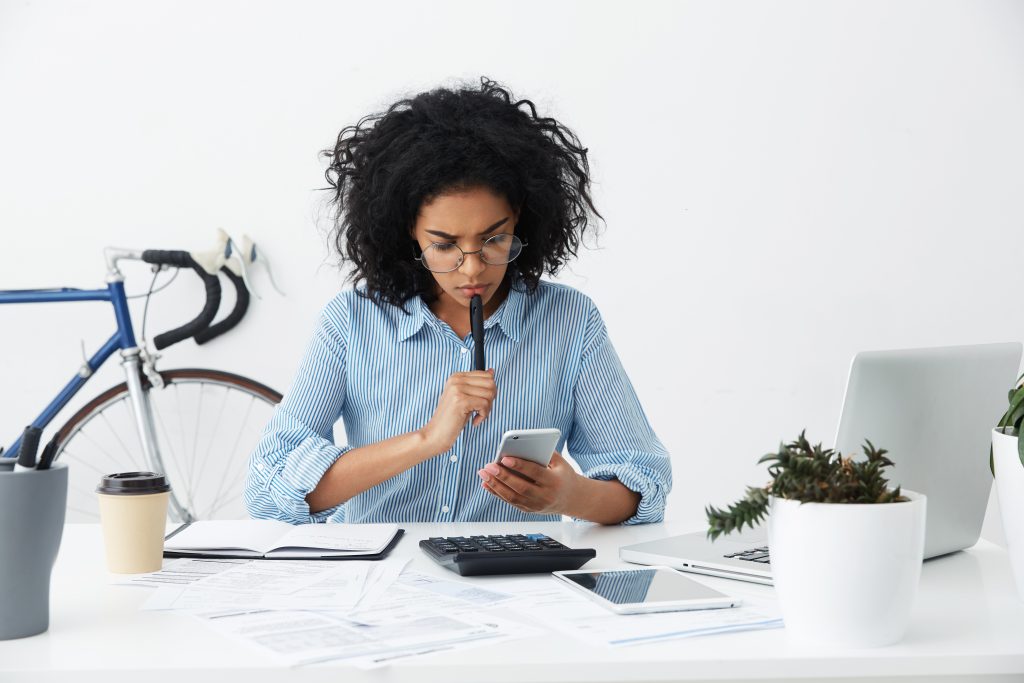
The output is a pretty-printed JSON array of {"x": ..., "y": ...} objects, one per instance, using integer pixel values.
[
  {"x": 1010, "y": 488},
  {"x": 847, "y": 574}
]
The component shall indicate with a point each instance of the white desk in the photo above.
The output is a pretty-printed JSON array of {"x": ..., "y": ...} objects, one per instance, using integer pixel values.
[{"x": 967, "y": 625}]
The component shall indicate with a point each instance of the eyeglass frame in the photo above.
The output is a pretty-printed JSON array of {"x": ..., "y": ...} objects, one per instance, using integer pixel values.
[{"x": 479, "y": 251}]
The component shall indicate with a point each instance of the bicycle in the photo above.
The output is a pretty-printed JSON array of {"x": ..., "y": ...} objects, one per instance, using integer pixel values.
[{"x": 165, "y": 411}]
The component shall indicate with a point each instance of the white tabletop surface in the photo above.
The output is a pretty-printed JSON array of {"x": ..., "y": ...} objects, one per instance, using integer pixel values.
[{"x": 967, "y": 625}]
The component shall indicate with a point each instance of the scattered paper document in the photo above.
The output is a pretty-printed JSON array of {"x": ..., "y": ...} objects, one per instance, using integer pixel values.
[
  {"x": 460, "y": 590},
  {"x": 261, "y": 585},
  {"x": 557, "y": 606},
  {"x": 179, "y": 572},
  {"x": 380, "y": 580},
  {"x": 295, "y": 638}
]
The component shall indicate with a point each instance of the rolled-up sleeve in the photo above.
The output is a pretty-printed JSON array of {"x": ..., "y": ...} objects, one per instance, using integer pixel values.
[
  {"x": 297, "y": 445},
  {"x": 611, "y": 437}
]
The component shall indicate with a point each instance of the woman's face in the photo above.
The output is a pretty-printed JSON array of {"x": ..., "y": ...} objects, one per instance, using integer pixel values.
[{"x": 466, "y": 218}]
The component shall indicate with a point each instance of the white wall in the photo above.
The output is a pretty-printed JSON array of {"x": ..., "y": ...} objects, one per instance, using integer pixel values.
[{"x": 784, "y": 183}]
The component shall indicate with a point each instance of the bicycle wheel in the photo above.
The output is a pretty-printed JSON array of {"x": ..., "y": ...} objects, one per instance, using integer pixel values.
[{"x": 207, "y": 423}]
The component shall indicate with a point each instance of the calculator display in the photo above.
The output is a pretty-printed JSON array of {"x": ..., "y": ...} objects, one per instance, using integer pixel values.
[{"x": 635, "y": 586}]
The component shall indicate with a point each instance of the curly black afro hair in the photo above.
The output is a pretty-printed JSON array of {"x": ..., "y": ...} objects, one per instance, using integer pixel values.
[{"x": 384, "y": 168}]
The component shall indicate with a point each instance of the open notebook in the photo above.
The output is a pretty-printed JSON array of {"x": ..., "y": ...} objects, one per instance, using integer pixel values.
[{"x": 270, "y": 539}]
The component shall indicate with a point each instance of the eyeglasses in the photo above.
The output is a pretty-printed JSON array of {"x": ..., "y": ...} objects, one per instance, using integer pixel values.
[{"x": 444, "y": 257}]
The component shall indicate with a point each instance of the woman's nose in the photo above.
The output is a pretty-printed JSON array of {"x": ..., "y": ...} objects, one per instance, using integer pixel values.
[{"x": 472, "y": 264}]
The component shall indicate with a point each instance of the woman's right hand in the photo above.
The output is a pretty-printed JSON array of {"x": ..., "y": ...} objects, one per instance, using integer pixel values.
[{"x": 464, "y": 393}]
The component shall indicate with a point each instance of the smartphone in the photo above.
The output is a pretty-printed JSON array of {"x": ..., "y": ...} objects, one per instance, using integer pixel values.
[
  {"x": 651, "y": 589},
  {"x": 535, "y": 445}
]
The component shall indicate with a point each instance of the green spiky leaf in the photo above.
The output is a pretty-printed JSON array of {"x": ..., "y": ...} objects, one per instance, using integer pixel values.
[{"x": 809, "y": 474}]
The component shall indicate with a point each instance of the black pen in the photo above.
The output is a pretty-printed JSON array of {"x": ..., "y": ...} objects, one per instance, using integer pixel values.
[
  {"x": 29, "y": 448},
  {"x": 49, "y": 451},
  {"x": 476, "y": 321}
]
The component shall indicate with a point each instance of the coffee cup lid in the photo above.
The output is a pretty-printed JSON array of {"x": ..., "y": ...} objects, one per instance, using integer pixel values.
[{"x": 133, "y": 483}]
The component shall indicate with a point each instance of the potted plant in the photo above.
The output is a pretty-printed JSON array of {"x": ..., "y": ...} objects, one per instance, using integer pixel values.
[
  {"x": 1007, "y": 462},
  {"x": 846, "y": 550}
]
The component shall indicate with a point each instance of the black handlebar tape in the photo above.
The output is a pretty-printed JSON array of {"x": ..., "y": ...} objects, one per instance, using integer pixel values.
[
  {"x": 233, "y": 318},
  {"x": 476, "y": 321},
  {"x": 182, "y": 259},
  {"x": 29, "y": 446}
]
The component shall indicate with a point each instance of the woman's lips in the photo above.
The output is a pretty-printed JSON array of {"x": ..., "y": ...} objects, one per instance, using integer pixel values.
[{"x": 470, "y": 292}]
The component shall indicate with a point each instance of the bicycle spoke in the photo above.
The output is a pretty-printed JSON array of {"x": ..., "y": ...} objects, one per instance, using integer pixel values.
[
  {"x": 113, "y": 432},
  {"x": 228, "y": 461},
  {"x": 209, "y": 444},
  {"x": 240, "y": 475},
  {"x": 195, "y": 450},
  {"x": 184, "y": 434},
  {"x": 99, "y": 448},
  {"x": 87, "y": 463},
  {"x": 84, "y": 513},
  {"x": 167, "y": 437},
  {"x": 226, "y": 502}
]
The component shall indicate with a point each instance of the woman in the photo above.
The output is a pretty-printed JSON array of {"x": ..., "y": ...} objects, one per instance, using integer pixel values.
[{"x": 447, "y": 195}]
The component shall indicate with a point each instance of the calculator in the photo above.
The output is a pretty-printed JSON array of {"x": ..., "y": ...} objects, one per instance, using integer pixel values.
[{"x": 507, "y": 554}]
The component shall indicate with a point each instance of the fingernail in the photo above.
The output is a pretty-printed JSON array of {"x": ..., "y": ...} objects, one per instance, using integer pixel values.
[
  {"x": 491, "y": 468},
  {"x": 481, "y": 474},
  {"x": 510, "y": 462}
]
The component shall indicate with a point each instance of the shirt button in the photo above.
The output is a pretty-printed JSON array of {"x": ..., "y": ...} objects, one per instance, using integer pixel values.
[
  {"x": 454, "y": 458},
  {"x": 444, "y": 508},
  {"x": 464, "y": 350}
]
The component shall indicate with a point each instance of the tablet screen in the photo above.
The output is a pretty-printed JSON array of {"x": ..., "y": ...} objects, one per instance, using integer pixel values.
[{"x": 633, "y": 586}]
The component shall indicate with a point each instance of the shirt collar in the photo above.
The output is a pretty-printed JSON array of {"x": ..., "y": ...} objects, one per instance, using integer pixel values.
[
  {"x": 509, "y": 316},
  {"x": 411, "y": 322}
]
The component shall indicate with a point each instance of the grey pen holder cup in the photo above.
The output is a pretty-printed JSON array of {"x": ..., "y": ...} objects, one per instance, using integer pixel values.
[{"x": 32, "y": 506}]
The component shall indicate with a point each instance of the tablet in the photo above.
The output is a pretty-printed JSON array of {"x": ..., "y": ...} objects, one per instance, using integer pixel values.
[{"x": 651, "y": 589}]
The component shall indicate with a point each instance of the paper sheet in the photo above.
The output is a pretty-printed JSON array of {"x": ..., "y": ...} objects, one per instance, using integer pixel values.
[
  {"x": 294, "y": 637},
  {"x": 277, "y": 577},
  {"x": 180, "y": 572},
  {"x": 460, "y": 590},
  {"x": 322, "y": 586},
  {"x": 546, "y": 601}
]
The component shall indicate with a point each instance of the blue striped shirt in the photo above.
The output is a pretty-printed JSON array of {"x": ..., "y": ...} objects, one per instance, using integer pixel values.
[{"x": 382, "y": 371}]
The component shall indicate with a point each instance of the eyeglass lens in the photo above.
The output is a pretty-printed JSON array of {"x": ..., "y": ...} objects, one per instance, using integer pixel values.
[{"x": 444, "y": 257}]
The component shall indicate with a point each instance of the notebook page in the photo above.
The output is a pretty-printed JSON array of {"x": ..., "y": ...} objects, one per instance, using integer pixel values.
[
  {"x": 259, "y": 535},
  {"x": 357, "y": 538}
]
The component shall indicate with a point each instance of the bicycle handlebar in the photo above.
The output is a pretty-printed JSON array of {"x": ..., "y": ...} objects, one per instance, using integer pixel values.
[
  {"x": 182, "y": 259},
  {"x": 233, "y": 318}
]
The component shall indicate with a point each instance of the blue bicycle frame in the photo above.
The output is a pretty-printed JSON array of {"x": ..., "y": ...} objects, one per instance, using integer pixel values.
[{"x": 122, "y": 340}]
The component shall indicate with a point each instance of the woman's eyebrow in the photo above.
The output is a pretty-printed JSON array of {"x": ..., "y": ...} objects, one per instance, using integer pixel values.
[{"x": 452, "y": 237}]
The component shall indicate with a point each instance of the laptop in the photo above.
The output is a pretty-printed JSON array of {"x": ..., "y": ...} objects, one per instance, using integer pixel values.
[{"x": 933, "y": 410}]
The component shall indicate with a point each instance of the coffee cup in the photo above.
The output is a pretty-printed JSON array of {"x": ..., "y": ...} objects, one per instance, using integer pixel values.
[{"x": 133, "y": 513}]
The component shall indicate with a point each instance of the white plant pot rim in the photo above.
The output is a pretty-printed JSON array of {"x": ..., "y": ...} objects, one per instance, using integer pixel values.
[{"x": 914, "y": 497}]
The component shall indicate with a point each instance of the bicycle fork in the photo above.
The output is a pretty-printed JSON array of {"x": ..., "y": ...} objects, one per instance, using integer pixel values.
[{"x": 143, "y": 413}]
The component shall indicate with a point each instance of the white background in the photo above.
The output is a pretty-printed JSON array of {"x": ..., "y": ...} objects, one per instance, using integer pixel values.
[{"x": 784, "y": 183}]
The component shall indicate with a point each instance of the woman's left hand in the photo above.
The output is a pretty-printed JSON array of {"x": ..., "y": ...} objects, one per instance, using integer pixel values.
[{"x": 530, "y": 487}]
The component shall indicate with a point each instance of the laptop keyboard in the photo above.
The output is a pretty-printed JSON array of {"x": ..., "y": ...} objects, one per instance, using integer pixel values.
[{"x": 752, "y": 555}]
